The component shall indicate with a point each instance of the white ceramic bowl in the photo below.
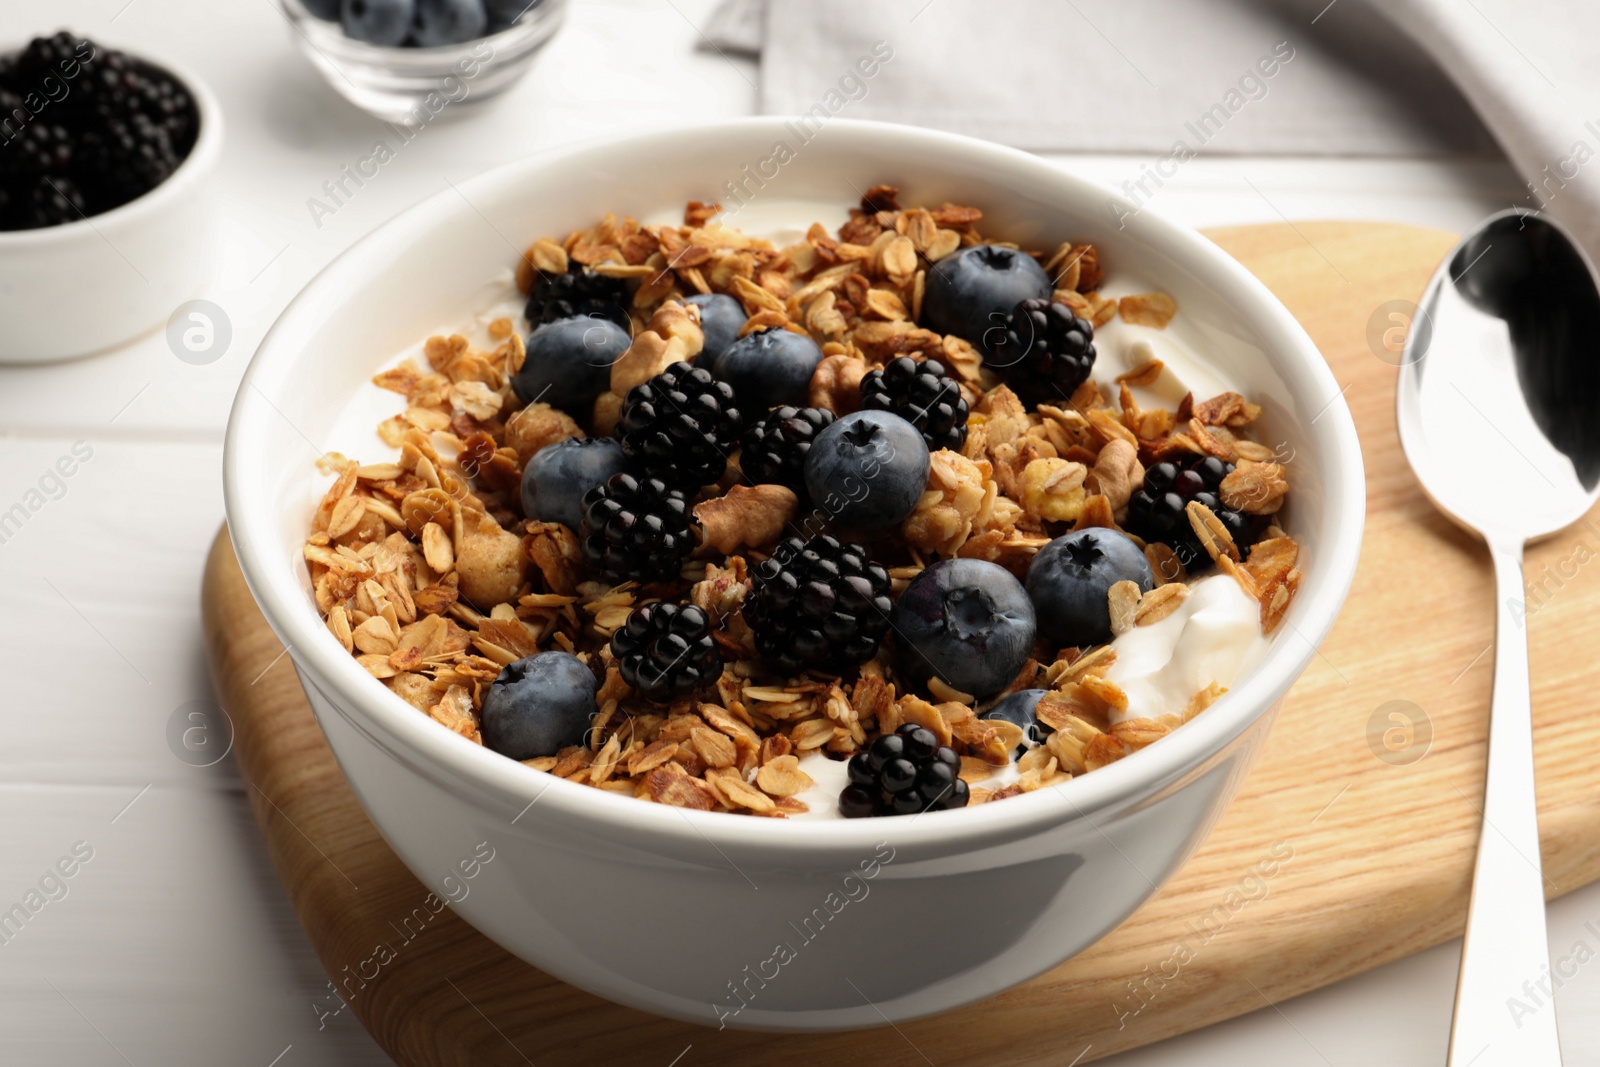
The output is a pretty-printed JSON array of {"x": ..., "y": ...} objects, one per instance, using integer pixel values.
[
  {"x": 72, "y": 290},
  {"x": 670, "y": 910}
]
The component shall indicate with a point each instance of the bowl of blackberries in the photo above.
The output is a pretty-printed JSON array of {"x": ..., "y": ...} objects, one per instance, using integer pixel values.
[
  {"x": 407, "y": 61},
  {"x": 106, "y": 224}
]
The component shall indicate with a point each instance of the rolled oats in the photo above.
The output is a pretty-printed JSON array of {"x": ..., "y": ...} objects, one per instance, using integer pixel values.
[{"x": 1148, "y": 309}]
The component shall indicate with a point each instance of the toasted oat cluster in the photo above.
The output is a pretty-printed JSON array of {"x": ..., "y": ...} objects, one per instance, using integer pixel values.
[{"x": 432, "y": 572}]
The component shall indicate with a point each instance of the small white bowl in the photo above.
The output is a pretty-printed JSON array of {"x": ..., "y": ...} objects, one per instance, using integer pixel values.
[
  {"x": 85, "y": 286},
  {"x": 681, "y": 912}
]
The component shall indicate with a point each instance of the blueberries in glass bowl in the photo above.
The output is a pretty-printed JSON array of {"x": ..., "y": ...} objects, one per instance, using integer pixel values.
[{"x": 419, "y": 23}]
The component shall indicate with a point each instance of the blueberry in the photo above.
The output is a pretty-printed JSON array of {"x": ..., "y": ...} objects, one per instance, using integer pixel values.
[
  {"x": 1071, "y": 576},
  {"x": 867, "y": 470},
  {"x": 442, "y": 22},
  {"x": 503, "y": 13},
  {"x": 767, "y": 369},
  {"x": 721, "y": 317},
  {"x": 972, "y": 291},
  {"x": 1018, "y": 708},
  {"x": 967, "y": 622},
  {"x": 538, "y": 706},
  {"x": 384, "y": 22},
  {"x": 569, "y": 362},
  {"x": 557, "y": 476},
  {"x": 323, "y": 9}
]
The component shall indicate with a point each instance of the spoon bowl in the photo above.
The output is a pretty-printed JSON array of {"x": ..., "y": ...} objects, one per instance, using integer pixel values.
[
  {"x": 1502, "y": 392},
  {"x": 1498, "y": 405}
]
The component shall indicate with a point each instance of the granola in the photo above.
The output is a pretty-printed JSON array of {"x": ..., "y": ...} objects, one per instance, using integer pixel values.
[{"x": 429, "y": 572}]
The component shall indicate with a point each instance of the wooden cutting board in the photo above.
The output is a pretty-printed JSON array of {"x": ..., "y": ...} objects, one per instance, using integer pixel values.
[{"x": 1349, "y": 846}]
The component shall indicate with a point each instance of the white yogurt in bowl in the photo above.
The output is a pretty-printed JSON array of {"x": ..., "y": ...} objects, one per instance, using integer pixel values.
[{"x": 1213, "y": 637}]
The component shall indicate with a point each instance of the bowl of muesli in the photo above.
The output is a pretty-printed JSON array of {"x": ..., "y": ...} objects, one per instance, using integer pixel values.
[{"x": 752, "y": 537}]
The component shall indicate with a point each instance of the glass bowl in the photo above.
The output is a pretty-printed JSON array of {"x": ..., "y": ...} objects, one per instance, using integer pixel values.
[{"x": 412, "y": 86}]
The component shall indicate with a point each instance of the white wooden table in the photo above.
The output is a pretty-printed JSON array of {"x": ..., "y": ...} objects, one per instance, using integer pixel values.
[{"x": 174, "y": 943}]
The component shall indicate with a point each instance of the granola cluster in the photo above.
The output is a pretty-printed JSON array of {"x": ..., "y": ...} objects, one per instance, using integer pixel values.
[{"x": 429, "y": 574}]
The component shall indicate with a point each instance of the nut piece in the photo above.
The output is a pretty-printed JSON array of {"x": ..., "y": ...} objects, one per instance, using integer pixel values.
[
  {"x": 538, "y": 425},
  {"x": 647, "y": 357},
  {"x": 1053, "y": 489},
  {"x": 673, "y": 334},
  {"x": 836, "y": 383},
  {"x": 721, "y": 592},
  {"x": 490, "y": 562},
  {"x": 1117, "y": 473},
  {"x": 748, "y": 515}
]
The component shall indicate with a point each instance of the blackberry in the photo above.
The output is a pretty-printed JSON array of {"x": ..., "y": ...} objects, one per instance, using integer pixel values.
[
  {"x": 124, "y": 127},
  {"x": 127, "y": 157},
  {"x": 44, "y": 149},
  {"x": 922, "y": 394},
  {"x": 773, "y": 450},
  {"x": 636, "y": 529},
  {"x": 665, "y": 651},
  {"x": 1043, "y": 351},
  {"x": 679, "y": 426},
  {"x": 818, "y": 603},
  {"x": 1157, "y": 511},
  {"x": 45, "y": 57},
  {"x": 579, "y": 291},
  {"x": 52, "y": 202},
  {"x": 903, "y": 773},
  {"x": 14, "y": 117}
]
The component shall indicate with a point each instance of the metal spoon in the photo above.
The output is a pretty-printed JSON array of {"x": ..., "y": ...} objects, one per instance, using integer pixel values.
[{"x": 1499, "y": 411}]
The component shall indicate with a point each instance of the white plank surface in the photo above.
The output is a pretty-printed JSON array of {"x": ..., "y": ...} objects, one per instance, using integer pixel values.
[{"x": 174, "y": 943}]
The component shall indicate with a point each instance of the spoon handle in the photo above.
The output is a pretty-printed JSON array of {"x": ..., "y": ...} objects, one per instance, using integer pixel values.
[
  {"x": 1544, "y": 122},
  {"x": 1504, "y": 1012}
]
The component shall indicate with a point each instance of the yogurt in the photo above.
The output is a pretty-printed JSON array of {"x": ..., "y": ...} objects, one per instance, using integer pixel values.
[{"x": 1213, "y": 636}]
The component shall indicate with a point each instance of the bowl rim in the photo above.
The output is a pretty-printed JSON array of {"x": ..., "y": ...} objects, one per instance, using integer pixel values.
[
  {"x": 202, "y": 158},
  {"x": 469, "y": 770}
]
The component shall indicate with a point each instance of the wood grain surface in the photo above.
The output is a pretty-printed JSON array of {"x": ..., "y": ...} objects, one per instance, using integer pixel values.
[{"x": 1349, "y": 846}]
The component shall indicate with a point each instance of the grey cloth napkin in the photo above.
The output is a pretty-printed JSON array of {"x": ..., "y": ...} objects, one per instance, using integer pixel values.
[{"x": 1140, "y": 76}]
